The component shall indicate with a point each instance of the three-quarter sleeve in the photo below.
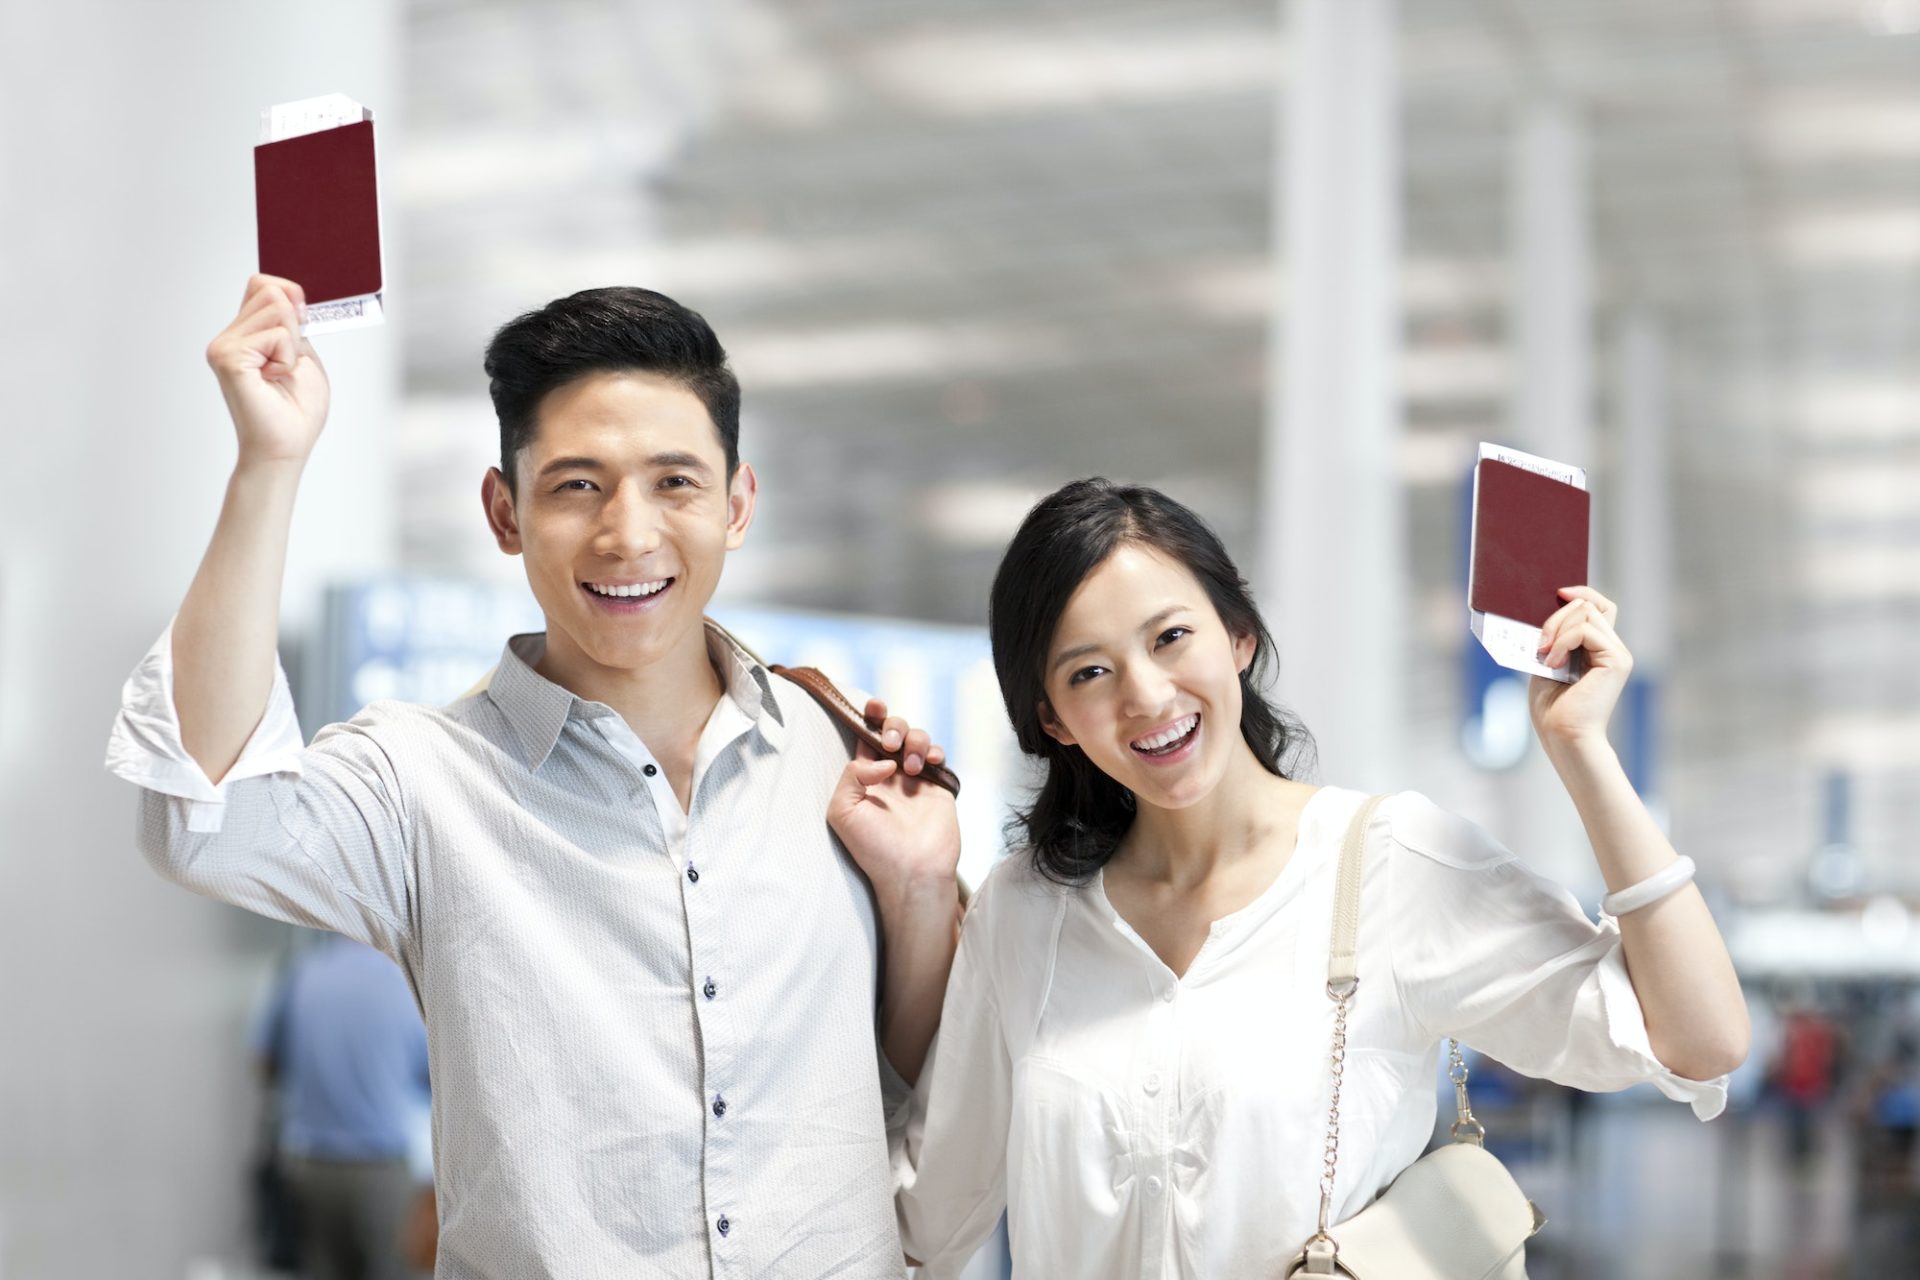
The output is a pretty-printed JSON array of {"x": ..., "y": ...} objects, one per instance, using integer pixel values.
[
  {"x": 1486, "y": 950},
  {"x": 314, "y": 836},
  {"x": 950, "y": 1160}
]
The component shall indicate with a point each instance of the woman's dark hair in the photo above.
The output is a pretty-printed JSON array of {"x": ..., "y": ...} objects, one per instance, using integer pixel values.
[
  {"x": 606, "y": 331},
  {"x": 1079, "y": 814}
]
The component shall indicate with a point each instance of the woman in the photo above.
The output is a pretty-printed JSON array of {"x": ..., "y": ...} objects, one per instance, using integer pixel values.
[{"x": 1133, "y": 1054}]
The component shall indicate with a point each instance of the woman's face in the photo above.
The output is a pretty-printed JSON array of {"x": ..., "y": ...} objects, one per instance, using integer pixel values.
[{"x": 1144, "y": 677}]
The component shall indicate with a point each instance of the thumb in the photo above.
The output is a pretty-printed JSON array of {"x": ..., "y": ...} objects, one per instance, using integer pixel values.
[{"x": 854, "y": 781}]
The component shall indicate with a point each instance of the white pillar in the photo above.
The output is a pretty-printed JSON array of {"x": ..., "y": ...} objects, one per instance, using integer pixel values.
[
  {"x": 126, "y": 203},
  {"x": 1641, "y": 512},
  {"x": 1550, "y": 414},
  {"x": 1332, "y": 562}
]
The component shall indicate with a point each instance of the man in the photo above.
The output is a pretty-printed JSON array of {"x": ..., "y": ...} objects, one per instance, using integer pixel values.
[
  {"x": 343, "y": 1042},
  {"x": 649, "y": 972}
]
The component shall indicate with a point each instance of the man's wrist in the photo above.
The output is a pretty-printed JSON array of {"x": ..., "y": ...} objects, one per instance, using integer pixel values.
[{"x": 253, "y": 469}]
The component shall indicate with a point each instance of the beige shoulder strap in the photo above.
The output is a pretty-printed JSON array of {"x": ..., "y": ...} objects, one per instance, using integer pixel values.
[{"x": 1342, "y": 973}]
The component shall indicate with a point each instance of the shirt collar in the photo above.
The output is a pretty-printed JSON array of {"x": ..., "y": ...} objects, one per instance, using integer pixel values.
[{"x": 538, "y": 709}]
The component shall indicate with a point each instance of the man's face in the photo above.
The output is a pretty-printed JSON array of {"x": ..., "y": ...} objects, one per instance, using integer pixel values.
[{"x": 624, "y": 513}]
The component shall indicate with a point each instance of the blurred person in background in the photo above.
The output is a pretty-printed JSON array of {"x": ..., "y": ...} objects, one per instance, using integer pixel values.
[
  {"x": 660, "y": 1032},
  {"x": 1134, "y": 1054},
  {"x": 343, "y": 1043},
  {"x": 1805, "y": 1074}
]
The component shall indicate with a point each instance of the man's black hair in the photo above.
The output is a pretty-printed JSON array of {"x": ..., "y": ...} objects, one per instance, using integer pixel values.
[{"x": 608, "y": 330}]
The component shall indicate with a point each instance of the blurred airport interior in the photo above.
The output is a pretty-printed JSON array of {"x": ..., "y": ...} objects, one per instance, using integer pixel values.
[{"x": 1290, "y": 260}]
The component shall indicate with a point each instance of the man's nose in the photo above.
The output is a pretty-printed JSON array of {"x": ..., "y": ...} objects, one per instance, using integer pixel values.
[{"x": 629, "y": 524}]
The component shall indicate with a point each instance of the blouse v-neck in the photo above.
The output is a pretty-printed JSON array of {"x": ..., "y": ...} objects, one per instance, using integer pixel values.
[{"x": 1236, "y": 923}]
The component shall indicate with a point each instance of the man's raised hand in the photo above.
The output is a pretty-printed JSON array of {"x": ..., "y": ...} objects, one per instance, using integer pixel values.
[{"x": 275, "y": 387}]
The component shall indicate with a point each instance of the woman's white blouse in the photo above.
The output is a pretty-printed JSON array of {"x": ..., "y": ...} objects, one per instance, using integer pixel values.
[{"x": 1138, "y": 1125}]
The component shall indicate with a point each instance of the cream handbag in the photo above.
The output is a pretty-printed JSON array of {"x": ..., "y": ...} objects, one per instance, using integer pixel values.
[{"x": 1455, "y": 1213}]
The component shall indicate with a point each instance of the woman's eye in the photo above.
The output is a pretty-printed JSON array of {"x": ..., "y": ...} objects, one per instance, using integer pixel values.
[
  {"x": 1173, "y": 633},
  {"x": 1084, "y": 674}
]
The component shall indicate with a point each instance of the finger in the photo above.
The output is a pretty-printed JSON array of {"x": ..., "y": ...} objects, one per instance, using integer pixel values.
[
  {"x": 871, "y": 773},
  {"x": 1608, "y": 609},
  {"x": 1559, "y": 620},
  {"x": 267, "y": 293},
  {"x": 893, "y": 730},
  {"x": 273, "y": 307},
  {"x": 936, "y": 754},
  {"x": 916, "y": 744},
  {"x": 277, "y": 350}
]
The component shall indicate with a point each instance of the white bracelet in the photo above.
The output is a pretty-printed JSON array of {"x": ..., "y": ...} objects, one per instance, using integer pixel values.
[{"x": 1651, "y": 890}]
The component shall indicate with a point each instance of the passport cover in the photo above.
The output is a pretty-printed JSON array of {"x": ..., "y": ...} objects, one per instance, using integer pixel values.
[
  {"x": 316, "y": 201},
  {"x": 1529, "y": 540}
]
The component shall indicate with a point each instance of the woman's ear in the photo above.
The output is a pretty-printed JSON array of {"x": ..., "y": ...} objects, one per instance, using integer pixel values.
[
  {"x": 1244, "y": 647},
  {"x": 1050, "y": 723}
]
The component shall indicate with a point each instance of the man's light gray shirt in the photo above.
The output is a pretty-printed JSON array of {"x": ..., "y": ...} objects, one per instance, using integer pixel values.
[{"x": 652, "y": 1032}]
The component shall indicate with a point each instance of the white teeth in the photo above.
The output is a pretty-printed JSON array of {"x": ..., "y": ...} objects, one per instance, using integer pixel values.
[
  {"x": 636, "y": 589},
  {"x": 1168, "y": 736}
]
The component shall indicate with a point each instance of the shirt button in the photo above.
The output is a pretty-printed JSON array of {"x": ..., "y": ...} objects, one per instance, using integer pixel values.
[
  {"x": 1152, "y": 1083},
  {"x": 710, "y": 991},
  {"x": 1167, "y": 993},
  {"x": 649, "y": 769},
  {"x": 1153, "y": 1185},
  {"x": 693, "y": 877},
  {"x": 723, "y": 1226},
  {"x": 719, "y": 1106}
]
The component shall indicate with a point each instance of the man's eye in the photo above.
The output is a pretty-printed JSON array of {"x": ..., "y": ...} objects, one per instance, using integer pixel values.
[
  {"x": 677, "y": 482},
  {"x": 574, "y": 486},
  {"x": 1084, "y": 674}
]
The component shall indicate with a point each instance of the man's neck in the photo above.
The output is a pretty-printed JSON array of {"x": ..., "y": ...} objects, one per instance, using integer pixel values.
[{"x": 666, "y": 703}]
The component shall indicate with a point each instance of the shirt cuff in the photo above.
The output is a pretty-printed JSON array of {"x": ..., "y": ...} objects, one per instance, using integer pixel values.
[
  {"x": 145, "y": 747},
  {"x": 1627, "y": 1027}
]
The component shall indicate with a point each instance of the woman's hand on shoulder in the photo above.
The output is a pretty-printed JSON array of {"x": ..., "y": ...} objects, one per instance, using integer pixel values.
[{"x": 903, "y": 832}]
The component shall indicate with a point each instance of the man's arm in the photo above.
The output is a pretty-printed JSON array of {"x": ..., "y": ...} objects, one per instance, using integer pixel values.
[{"x": 227, "y": 630}]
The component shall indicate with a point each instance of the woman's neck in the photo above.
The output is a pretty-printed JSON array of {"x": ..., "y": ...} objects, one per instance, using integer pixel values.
[{"x": 1183, "y": 847}]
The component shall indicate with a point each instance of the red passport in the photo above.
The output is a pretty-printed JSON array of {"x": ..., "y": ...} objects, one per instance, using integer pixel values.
[
  {"x": 1529, "y": 540},
  {"x": 319, "y": 214}
]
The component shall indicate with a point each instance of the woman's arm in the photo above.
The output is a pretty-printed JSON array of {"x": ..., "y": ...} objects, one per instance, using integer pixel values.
[{"x": 1695, "y": 1014}]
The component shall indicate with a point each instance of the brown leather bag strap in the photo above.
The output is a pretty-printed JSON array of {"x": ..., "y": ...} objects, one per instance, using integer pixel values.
[{"x": 837, "y": 705}]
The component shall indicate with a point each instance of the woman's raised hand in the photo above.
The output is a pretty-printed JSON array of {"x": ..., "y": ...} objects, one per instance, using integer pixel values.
[{"x": 1570, "y": 714}]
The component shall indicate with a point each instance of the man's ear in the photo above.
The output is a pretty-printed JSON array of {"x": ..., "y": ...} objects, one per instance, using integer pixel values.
[
  {"x": 1050, "y": 724},
  {"x": 742, "y": 490},
  {"x": 497, "y": 498}
]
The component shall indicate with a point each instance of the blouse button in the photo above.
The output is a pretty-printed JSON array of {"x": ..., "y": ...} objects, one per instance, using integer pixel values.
[
  {"x": 1152, "y": 1083},
  {"x": 1153, "y": 1185},
  {"x": 1166, "y": 993}
]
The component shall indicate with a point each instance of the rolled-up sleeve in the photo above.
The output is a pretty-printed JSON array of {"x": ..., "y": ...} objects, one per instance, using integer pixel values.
[
  {"x": 1504, "y": 959},
  {"x": 315, "y": 836},
  {"x": 950, "y": 1160}
]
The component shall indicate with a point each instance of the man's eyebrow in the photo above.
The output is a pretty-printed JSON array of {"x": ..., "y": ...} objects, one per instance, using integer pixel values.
[
  {"x": 573, "y": 464},
  {"x": 1082, "y": 650},
  {"x": 669, "y": 458},
  {"x": 679, "y": 458}
]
